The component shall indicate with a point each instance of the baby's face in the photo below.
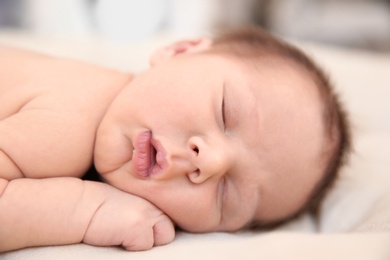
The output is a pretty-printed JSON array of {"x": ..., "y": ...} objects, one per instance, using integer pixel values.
[{"x": 213, "y": 143}]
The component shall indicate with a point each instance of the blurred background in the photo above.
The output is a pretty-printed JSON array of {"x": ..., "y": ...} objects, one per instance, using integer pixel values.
[{"x": 361, "y": 24}]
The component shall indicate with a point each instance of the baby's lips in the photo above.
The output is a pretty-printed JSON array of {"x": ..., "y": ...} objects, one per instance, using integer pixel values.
[
  {"x": 161, "y": 162},
  {"x": 142, "y": 155},
  {"x": 149, "y": 156}
]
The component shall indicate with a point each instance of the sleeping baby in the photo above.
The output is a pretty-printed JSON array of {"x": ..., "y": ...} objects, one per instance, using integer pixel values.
[{"x": 240, "y": 131}]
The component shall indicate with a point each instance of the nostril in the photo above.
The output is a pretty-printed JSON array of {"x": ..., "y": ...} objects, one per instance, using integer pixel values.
[
  {"x": 194, "y": 175},
  {"x": 196, "y": 149}
]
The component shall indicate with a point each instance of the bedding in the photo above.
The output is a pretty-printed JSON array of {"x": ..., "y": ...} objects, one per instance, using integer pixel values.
[{"x": 355, "y": 219}]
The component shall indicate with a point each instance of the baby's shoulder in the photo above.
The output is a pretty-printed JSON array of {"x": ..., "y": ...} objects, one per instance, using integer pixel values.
[{"x": 29, "y": 79}]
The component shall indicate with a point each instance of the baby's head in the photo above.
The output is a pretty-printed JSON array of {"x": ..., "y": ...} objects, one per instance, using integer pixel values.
[{"x": 240, "y": 131}]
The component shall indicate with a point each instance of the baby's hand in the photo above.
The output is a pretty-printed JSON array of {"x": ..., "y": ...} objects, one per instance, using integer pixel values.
[{"x": 130, "y": 221}]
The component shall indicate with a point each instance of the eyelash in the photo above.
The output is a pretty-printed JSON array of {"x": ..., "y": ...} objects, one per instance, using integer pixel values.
[
  {"x": 224, "y": 183},
  {"x": 223, "y": 114}
]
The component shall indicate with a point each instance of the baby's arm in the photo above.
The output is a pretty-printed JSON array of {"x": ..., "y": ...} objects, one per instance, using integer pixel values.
[{"x": 54, "y": 211}]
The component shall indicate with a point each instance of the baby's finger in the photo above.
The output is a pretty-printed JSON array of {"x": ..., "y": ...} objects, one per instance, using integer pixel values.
[
  {"x": 163, "y": 231},
  {"x": 142, "y": 241}
]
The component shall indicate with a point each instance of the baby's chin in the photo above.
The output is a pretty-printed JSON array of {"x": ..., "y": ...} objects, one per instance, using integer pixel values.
[
  {"x": 113, "y": 149},
  {"x": 106, "y": 164}
]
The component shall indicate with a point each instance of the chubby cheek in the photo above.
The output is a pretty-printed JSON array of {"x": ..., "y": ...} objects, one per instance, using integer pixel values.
[{"x": 192, "y": 209}]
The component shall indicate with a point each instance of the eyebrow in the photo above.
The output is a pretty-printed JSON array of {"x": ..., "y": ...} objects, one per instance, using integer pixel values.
[
  {"x": 254, "y": 111},
  {"x": 249, "y": 112},
  {"x": 225, "y": 109}
]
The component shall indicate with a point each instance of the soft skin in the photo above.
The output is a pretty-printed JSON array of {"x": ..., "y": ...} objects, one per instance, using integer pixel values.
[
  {"x": 234, "y": 138},
  {"x": 50, "y": 110}
]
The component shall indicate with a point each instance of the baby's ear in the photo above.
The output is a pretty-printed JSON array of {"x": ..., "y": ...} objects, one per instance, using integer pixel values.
[{"x": 188, "y": 46}]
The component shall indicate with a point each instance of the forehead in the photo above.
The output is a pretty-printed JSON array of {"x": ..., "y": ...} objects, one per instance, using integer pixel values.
[
  {"x": 273, "y": 91},
  {"x": 282, "y": 129}
]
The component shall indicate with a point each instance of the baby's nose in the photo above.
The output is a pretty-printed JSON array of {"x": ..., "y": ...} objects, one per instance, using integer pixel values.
[
  {"x": 211, "y": 159},
  {"x": 198, "y": 160},
  {"x": 177, "y": 161}
]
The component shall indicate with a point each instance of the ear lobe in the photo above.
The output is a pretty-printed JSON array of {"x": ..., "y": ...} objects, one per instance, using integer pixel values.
[{"x": 180, "y": 47}]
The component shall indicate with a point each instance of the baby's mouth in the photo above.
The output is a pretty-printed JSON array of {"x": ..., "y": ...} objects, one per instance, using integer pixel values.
[
  {"x": 143, "y": 154},
  {"x": 149, "y": 156},
  {"x": 153, "y": 154}
]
